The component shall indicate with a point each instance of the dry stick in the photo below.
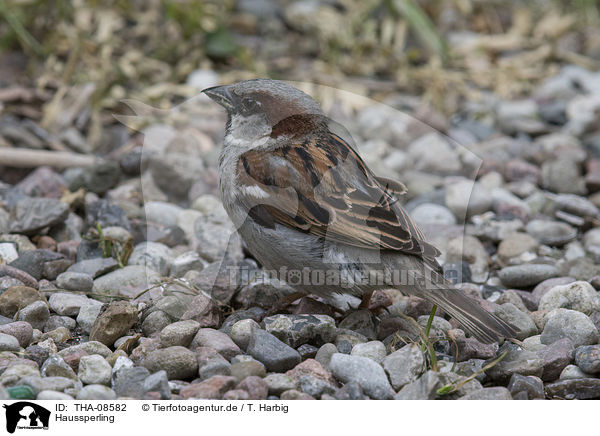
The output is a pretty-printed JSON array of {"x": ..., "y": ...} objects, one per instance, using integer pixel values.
[{"x": 30, "y": 158}]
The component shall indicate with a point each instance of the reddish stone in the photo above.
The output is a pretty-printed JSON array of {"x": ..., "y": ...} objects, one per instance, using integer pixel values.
[
  {"x": 73, "y": 357},
  {"x": 68, "y": 249},
  {"x": 256, "y": 387},
  {"x": 517, "y": 170},
  {"x": 314, "y": 368},
  {"x": 556, "y": 356},
  {"x": 211, "y": 389},
  {"x": 46, "y": 243},
  {"x": 592, "y": 177},
  {"x": 236, "y": 394}
]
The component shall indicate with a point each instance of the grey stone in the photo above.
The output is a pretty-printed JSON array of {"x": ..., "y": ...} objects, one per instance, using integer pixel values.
[
  {"x": 211, "y": 363},
  {"x": 32, "y": 214},
  {"x": 574, "y": 389},
  {"x": 580, "y": 296},
  {"x": 571, "y": 372},
  {"x": 404, "y": 365},
  {"x": 531, "y": 385},
  {"x": 241, "y": 332},
  {"x": 94, "y": 267},
  {"x": 517, "y": 360},
  {"x": 129, "y": 382},
  {"x": 208, "y": 337},
  {"x": 324, "y": 354},
  {"x": 551, "y": 232},
  {"x": 36, "y": 314},
  {"x": 126, "y": 282},
  {"x": 369, "y": 374},
  {"x": 68, "y": 304},
  {"x": 73, "y": 281},
  {"x": 179, "y": 333},
  {"x": 494, "y": 393},
  {"x": 53, "y": 395},
  {"x": 430, "y": 213},
  {"x": 87, "y": 315},
  {"x": 179, "y": 362},
  {"x": 273, "y": 353},
  {"x": 279, "y": 383},
  {"x": 374, "y": 350},
  {"x": 588, "y": 358},
  {"x": 555, "y": 357},
  {"x": 94, "y": 369},
  {"x": 526, "y": 274},
  {"x": 565, "y": 323},
  {"x": 520, "y": 320},
  {"x": 154, "y": 255},
  {"x": 296, "y": 330},
  {"x": 158, "y": 382},
  {"x": 315, "y": 386},
  {"x": 8, "y": 343}
]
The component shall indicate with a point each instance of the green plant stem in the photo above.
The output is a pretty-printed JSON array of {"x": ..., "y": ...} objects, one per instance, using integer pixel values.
[
  {"x": 427, "y": 344},
  {"x": 27, "y": 40}
]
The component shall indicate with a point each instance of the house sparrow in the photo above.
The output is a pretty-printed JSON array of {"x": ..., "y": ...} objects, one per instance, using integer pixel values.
[{"x": 303, "y": 200}]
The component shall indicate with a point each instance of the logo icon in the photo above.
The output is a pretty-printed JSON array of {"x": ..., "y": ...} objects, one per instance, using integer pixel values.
[{"x": 26, "y": 415}]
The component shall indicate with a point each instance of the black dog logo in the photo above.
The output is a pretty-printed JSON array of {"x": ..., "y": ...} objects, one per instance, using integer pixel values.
[{"x": 26, "y": 415}]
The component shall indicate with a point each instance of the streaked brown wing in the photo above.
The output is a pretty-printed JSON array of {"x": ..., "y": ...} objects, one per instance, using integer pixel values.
[{"x": 333, "y": 194}]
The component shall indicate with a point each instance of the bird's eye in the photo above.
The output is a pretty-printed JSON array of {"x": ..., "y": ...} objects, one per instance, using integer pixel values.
[{"x": 250, "y": 105}]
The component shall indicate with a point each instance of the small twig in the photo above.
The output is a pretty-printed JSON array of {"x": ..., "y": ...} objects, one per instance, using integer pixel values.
[{"x": 30, "y": 158}]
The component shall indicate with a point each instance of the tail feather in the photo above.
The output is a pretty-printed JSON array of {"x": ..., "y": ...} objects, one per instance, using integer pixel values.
[{"x": 486, "y": 327}]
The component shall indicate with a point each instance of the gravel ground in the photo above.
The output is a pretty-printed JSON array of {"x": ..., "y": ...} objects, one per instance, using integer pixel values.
[{"x": 509, "y": 191}]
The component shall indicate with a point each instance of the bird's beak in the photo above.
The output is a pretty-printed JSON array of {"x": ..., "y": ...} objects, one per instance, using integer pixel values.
[{"x": 221, "y": 95}]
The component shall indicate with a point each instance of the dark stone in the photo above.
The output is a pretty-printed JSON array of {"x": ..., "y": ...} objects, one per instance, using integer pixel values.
[
  {"x": 555, "y": 357},
  {"x": 458, "y": 272},
  {"x": 574, "y": 389},
  {"x": 532, "y": 386},
  {"x": 274, "y": 354},
  {"x": 94, "y": 267},
  {"x": 32, "y": 262},
  {"x": 307, "y": 351}
]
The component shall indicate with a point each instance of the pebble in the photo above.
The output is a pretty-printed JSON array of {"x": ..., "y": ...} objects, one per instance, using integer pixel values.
[
  {"x": 67, "y": 304},
  {"x": 572, "y": 372},
  {"x": 273, "y": 353},
  {"x": 296, "y": 330},
  {"x": 374, "y": 350},
  {"x": 279, "y": 383},
  {"x": 516, "y": 361},
  {"x": 129, "y": 382},
  {"x": 212, "y": 389},
  {"x": 208, "y": 337},
  {"x": 565, "y": 323},
  {"x": 16, "y": 298},
  {"x": 551, "y": 232},
  {"x": 88, "y": 313},
  {"x": 324, "y": 354},
  {"x": 31, "y": 214},
  {"x": 433, "y": 214},
  {"x": 94, "y": 369},
  {"x": 241, "y": 332},
  {"x": 369, "y": 374},
  {"x": 96, "y": 392},
  {"x": 256, "y": 387},
  {"x": 179, "y": 333},
  {"x": 532, "y": 386},
  {"x": 94, "y": 267},
  {"x": 73, "y": 281},
  {"x": 154, "y": 255},
  {"x": 518, "y": 319},
  {"x": 493, "y": 393},
  {"x": 36, "y": 314},
  {"x": 574, "y": 389},
  {"x": 556, "y": 357},
  {"x": 158, "y": 382},
  {"x": 8, "y": 343},
  {"x": 525, "y": 275},
  {"x": 113, "y": 322},
  {"x": 580, "y": 296},
  {"x": 210, "y": 363},
  {"x": 179, "y": 362},
  {"x": 588, "y": 358}
]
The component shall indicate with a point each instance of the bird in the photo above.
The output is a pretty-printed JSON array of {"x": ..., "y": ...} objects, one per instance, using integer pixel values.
[{"x": 302, "y": 199}]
